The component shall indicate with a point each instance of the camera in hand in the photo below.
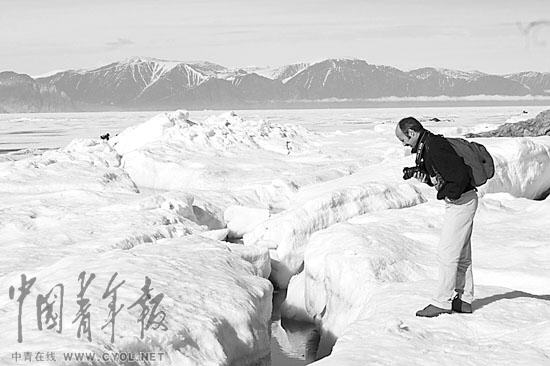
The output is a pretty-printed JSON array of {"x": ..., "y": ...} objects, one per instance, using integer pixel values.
[{"x": 408, "y": 173}]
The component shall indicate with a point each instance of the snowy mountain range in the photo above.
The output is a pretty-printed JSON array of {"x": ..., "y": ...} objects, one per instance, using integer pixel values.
[{"x": 148, "y": 83}]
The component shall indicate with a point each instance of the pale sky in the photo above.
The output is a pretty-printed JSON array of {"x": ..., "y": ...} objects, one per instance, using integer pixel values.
[{"x": 493, "y": 36}]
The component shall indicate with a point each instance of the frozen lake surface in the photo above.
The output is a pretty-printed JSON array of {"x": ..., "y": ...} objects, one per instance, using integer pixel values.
[{"x": 54, "y": 130}]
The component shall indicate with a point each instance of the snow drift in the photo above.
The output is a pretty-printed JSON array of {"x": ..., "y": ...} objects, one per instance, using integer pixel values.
[{"x": 228, "y": 326}]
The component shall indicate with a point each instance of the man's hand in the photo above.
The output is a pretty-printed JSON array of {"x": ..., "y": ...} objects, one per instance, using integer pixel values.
[{"x": 422, "y": 177}]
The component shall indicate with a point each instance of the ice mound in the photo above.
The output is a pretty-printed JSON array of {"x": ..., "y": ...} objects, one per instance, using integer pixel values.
[
  {"x": 220, "y": 133},
  {"x": 94, "y": 152},
  {"x": 522, "y": 166},
  {"x": 343, "y": 264},
  {"x": 217, "y": 310},
  {"x": 286, "y": 234},
  {"x": 83, "y": 164},
  {"x": 144, "y": 133},
  {"x": 251, "y": 160}
]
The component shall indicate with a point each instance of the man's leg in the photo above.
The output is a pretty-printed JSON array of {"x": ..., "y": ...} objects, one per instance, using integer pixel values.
[
  {"x": 462, "y": 302},
  {"x": 454, "y": 252},
  {"x": 465, "y": 279},
  {"x": 464, "y": 276}
]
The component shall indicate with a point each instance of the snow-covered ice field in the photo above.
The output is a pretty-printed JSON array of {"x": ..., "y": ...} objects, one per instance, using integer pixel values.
[{"x": 217, "y": 209}]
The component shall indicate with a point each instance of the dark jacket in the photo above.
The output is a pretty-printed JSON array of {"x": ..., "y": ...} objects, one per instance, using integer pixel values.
[{"x": 440, "y": 161}]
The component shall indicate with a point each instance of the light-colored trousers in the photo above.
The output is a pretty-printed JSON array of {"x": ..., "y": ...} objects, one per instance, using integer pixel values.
[{"x": 455, "y": 251}]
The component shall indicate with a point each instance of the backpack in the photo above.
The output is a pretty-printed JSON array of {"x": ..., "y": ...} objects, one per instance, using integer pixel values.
[{"x": 476, "y": 157}]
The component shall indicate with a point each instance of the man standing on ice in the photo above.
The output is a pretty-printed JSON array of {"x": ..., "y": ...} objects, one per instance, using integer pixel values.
[{"x": 438, "y": 165}]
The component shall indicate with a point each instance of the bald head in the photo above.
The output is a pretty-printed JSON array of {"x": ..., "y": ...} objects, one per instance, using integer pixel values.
[
  {"x": 410, "y": 123},
  {"x": 408, "y": 131}
]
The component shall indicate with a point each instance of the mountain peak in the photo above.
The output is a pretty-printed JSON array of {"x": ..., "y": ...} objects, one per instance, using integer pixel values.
[
  {"x": 206, "y": 65},
  {"x": 343, "y": 61},
  {"x": 14, "y": 77},
  {"x": 458, "y": 74},
  {"x": 528, "y": 74},
  {"x": 141, "y": 59},
  {"x": 137, "y": 60}
]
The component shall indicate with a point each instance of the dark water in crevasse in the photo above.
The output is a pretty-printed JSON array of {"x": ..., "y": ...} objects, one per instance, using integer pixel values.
[{"x": 293, "y": 342}]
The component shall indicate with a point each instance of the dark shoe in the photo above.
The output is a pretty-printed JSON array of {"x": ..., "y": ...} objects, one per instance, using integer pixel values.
[
  {"x": 431, "y": 311},
  {"x": 461, "y": 306}
]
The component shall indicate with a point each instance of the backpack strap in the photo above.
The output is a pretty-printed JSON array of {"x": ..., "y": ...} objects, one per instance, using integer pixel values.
[{"x": 420, "y": 151}]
